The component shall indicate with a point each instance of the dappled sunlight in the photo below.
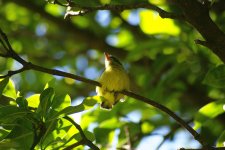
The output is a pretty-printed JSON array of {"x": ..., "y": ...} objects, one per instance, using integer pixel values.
[{"x": 152, "y": 23}]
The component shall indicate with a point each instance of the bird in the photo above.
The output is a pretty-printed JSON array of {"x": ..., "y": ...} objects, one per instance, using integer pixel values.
[{"x": 113, "y": 80}]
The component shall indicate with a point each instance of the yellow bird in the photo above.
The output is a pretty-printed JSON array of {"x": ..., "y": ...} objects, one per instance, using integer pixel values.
[{"x": 113, "y": 80}]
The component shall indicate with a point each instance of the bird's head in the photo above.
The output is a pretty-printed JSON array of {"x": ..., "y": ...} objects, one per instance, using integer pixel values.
[{"x": 111, "y": 61}]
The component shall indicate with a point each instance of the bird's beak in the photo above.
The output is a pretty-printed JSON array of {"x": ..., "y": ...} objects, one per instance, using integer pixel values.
[{"x": 107, "y": 56}]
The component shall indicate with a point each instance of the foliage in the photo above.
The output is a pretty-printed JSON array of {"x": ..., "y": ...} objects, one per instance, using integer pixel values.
[
  {"x": 160, "y": 55},
  {"x": 27, "y": 120}
]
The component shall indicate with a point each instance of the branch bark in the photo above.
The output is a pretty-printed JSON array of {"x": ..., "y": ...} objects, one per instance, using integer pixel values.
[
  {"x": 118, "y": 8},
  {"x": 197, "y": 14}
]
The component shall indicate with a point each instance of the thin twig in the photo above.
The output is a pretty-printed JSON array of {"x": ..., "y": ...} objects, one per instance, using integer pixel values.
[
  {"x": 8, "y": 48},
  {"x": 81, "y": 142},
  {"x": 87, "y": 9},
  {"x": 200, "y": 42},
  {"x": 174, "y": 128},
  {"x": 85, "y": 140},
  {"x": 59, "y": 3},
  {"x": 127, "y": 133}
]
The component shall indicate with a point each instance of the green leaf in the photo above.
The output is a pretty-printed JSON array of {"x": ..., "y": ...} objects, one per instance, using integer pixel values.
[
  {"x": 208, "y": 112},
  {"x": 3, "y": 84},
  {"x": 51, "y": 84},
  {"x": 102, "y": 135},
  {"x": 9, "y": 144},
  {"x": 89, "y": 135},
  {"x": 87, "y": 103},
  {"x": 45, "y": 102},
  {"x": 61, "y": 102},
  {"x": 11, "y": 113},
  {"x": 216, "y": 77},
  {"x": 33, "y": 100},
  {"x": 146, "y": 127},
  {"x": 58, "y": 104},
  {"x": 77, "y": 136},
  {"x": 221, "y": 140},
  {"x": 50, "y": 127},
  {"x": 7, "y": 88},
  {"x": 22, "y": 134},
  {"x": 59, "y": 131},
  {"x": 111, "y": 123},
  {"x": 22, "y": 102},
  {"x": 3, "y": 134}
]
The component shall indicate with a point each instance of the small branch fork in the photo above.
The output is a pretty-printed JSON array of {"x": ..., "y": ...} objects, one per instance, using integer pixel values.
[
  {"x": 195, "y": 12},
  {"x": 84, "y": 140},
  {"x": 10, "y": 53}
]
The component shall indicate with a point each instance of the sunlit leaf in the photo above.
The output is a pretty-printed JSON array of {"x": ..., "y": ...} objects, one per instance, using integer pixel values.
[
  {"x": 58, "y": 133},
  {"x": 221, "y": 140},
  {"x": 111, "y": 123},
  {"x": 61, "y": 102},
  {"x": 157, "y": 2},
  {"x": 3, "y": 134},
  {"x": 20, "y": 17},
  {"x": 146, "y": 127},
  {"x": 48, "y": 137},
  {"x": 152, "y": 23},
  {"x": 87, "y": 103},
  {"x": 7, "y": 88},
  {"x": 33, "y": 100},
  {"x": 46, "y": 98},
  {"x": 124, "y": 38},
  {"x": 208, "y": 112},
  {"x": 54, "y": 10},
  {"x": 3, "y": 84},
  {"x": 88, "y": 120}
]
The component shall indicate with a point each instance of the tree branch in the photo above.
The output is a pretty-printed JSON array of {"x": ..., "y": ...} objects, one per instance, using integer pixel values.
[
  {"x": 197, "y": 14},
  {"x": 84, "y": 140},
  {"x": 30, "y": 66},
  {"x": 86, "y": 9}
]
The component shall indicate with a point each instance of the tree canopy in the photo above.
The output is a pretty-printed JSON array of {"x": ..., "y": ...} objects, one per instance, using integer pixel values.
[{"x": 51, "y": 55}]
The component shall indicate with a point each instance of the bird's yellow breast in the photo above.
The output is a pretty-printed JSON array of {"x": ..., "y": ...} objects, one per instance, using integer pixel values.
[{"x": 114, "y": 79}]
